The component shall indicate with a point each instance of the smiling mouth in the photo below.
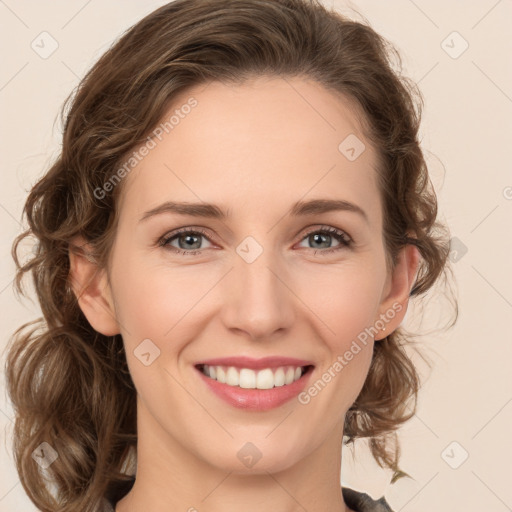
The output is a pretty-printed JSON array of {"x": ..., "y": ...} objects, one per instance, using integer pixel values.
[{"x": 248, "y": 378}]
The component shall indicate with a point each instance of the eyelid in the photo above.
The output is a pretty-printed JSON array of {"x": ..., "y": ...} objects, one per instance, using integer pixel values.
[
  {"x": 318, "y": 228},
  {"x": 327, "y": 229},
  {"x": 187, "y": 229}
]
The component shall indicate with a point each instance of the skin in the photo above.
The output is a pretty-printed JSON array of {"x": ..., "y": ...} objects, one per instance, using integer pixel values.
[{"x": 254, "y": 150}]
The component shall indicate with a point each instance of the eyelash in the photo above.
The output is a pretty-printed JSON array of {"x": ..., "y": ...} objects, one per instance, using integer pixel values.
[{"x": 345, "y": 241}]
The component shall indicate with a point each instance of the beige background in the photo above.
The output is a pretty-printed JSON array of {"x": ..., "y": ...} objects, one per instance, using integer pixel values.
[{"x": 466, "y": 133}]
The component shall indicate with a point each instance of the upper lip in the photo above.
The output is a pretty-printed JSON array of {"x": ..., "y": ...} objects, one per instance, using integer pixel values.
[{"x": 249, "y": 362}]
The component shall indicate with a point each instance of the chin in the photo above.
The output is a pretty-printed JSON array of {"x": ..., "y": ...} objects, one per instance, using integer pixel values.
[{"x": 246, "y": 458}]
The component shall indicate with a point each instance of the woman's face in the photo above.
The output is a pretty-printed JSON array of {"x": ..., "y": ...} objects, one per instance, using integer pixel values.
[{"x": 267, "y": 276}]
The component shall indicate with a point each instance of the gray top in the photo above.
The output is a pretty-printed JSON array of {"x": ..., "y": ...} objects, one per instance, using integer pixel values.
[{"x": 358, "y": 501}]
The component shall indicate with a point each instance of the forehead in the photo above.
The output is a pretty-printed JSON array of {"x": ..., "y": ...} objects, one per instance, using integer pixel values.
[{"x": 271, "y": 138}]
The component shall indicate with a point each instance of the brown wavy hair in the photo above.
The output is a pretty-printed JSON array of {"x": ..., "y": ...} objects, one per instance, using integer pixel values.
[{"x": 69, "y": 385}]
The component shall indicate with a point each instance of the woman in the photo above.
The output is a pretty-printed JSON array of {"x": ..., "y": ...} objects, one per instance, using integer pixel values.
[{"x": 199, "y": 351}]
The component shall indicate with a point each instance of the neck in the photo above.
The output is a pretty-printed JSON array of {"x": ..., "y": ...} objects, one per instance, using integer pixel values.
[{"x": 171, "y": 476}]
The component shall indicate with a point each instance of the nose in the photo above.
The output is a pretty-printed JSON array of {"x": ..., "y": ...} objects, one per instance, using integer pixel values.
[{"x": 258, "y": 299}]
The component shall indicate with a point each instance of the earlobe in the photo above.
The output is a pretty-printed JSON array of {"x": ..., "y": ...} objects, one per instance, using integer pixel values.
[
  {"x": 394, "y": 305},
  {"x": 90, "y": 285}
]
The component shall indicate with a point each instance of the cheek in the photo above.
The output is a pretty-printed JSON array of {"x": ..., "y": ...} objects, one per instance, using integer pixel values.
[
  {"x": 344, "y": 298},
  {"x": 152, "y": 302},
  {"x": 346, "y": 306},
  {"x": 152, "y": 305},
  {"x": 159, "y": 302}
]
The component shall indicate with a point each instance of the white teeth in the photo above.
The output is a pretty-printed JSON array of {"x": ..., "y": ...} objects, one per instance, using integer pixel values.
[
  {"x": 247, "y": 378},
  {"x": 265, "y": 379},
  {"x": 232, "y": 377},
  {"x": 221, "y": 374},
  {"x": 279, "y": 377}
]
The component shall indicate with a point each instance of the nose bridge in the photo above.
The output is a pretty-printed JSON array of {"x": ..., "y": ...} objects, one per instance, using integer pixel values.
[{"x": 257, "y": 300}]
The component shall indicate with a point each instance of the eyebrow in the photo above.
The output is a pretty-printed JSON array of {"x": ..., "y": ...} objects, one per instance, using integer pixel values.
[{"x": 299, "y": 209}]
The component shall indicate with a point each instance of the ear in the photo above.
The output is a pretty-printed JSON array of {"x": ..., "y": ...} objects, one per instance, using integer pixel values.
[
  {"x": 396, "y": 292},
  {"x": 92, "y": 289}
]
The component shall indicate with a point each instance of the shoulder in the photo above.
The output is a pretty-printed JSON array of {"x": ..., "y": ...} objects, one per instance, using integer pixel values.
[{"x": 362, "y": 502}]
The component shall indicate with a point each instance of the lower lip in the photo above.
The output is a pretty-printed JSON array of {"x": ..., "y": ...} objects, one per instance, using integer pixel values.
[{"x": 256, "y": 399}]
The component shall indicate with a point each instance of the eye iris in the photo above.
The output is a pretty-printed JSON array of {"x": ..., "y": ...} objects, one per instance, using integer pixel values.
[
  {"x": 317, "y": 236},
  {"x": 188, "y": 238},
  {"x": 191, "y": 240}
]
